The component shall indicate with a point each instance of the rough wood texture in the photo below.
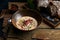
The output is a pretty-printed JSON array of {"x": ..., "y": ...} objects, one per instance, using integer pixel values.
[{"x": 50, "y": 34}]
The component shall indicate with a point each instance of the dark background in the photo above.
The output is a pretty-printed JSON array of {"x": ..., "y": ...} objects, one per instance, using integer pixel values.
[{"x": 4, "y": 3}]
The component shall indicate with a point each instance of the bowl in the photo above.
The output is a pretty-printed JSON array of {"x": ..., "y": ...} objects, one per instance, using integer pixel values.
[{"x": 21, "y": 13}]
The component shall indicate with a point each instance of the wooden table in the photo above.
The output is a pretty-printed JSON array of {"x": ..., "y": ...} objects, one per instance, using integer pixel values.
[
  {"x": 44, "y": 29},
  {"x": 47, "y": 34}
]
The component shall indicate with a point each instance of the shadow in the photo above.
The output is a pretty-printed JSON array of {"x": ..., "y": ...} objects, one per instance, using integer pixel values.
[
  {"x": 18, "y": 32},
  {"x": 44, "y": 11},
  {"x": 36, "y": 39},
  {"x": 1, "y": 23}
]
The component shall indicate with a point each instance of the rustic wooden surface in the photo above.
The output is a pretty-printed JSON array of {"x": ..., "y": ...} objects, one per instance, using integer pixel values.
[
  {"x": 49, "y": 34},
  {"x": 43, "y": 31}
]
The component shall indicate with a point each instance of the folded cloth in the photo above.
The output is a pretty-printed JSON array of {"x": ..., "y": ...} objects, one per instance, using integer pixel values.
[{"x": 1, "y": 22}]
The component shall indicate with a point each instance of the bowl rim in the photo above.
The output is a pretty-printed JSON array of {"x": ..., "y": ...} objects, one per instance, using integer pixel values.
[{"x": 14, "y": 24}]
